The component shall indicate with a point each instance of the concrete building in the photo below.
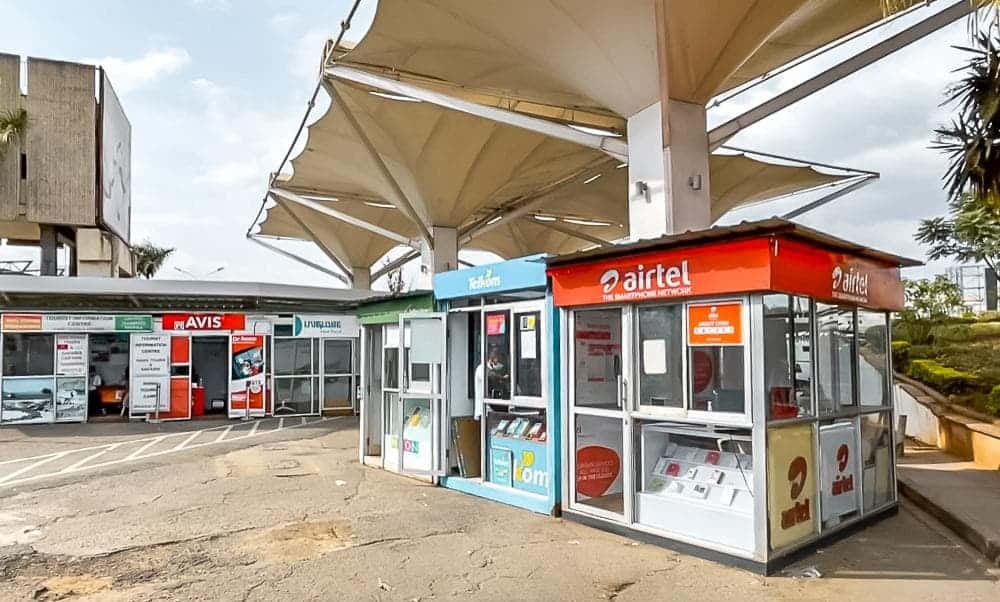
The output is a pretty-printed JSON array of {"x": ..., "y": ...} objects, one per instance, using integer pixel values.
[{"x": 65, "y": 183}]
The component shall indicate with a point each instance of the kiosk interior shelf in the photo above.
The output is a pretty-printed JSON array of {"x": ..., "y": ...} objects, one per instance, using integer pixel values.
[{"x": 697, "y": 482}]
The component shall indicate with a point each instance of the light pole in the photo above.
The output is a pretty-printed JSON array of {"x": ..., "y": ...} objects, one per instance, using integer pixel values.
[{"x": 200, "y": 276}]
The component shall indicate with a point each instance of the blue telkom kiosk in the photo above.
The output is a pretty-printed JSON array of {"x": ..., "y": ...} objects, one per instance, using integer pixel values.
[{"x": 502, "y": 392}]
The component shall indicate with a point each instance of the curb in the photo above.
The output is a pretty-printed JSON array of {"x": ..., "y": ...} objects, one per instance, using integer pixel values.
[{"x": 984, "y": 544}]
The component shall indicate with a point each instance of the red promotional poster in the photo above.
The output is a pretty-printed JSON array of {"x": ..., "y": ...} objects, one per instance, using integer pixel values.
[
  {"x": 204, "y": 321},
  {"x": 496, "y": 324},
  {"x": 597, "y": 468},
  {"x": 248, "y": 378}
]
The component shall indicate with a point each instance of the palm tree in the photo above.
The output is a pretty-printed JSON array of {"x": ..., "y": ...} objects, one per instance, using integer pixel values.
[
  {"x": 12, "y": 127},
  {"x": 149, "y": 258}
]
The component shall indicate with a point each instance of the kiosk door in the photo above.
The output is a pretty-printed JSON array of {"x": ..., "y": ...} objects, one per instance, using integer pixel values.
[
  {"x": 598, "y": 411},
  {"x": 423, "y": 414}
]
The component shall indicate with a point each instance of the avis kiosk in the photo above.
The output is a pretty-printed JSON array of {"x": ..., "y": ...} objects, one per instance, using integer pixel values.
[{"x": 728, "y": 391}]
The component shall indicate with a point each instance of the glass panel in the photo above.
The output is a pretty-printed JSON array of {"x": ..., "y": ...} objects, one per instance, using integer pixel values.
[
  {"x": 293, "y": 396},
  {"x": 315, "y": 356},
  {"x": 716, "y": 379},
  {"x": 787, "y": 365},
  {"x": 28, "y": 400},
  {"x": 390, "y": 368},
  {"x": 873, "y": 358},
  {"x": 691, "y": 483},
  {"x": 876, "y": 453},
  {"x": 597, "y": 362},
  {"x": 497, "y": 355},
  {"x": 292, "y": 357},
  {"x": 71, "y": 399},
  {"x": 337, "y": 357},
  {"x": 393, "y": 422},
  {"x": 417, "y": 429},
  {"x": 426, "y": 344},
  {"x": 515, "y": 448},
  {"x": 661, "y": 344},
  {"x": 337, "y": 392},
  {"x": 839, "y": 479},
  {"x": 28, "y": 355},
  {"x": 835, "y": 357},
  {"x": 475, "y": 354},
  {"x": 282, "y": 330},
  {"x": 599, "y": 482},
  {"x": 528, "y": 354}
]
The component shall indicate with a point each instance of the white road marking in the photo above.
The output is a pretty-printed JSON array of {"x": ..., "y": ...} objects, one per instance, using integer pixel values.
[
  {"x": 32, "y": 466},
  {"x": 223, "y": 434},
  {"x": 82, "y": 465},
  {"x": 281, "y": 423}
]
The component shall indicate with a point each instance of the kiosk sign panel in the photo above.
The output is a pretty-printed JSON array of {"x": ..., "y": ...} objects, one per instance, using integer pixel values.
[
  {"x": 325, "y": 326},
  {"x": 188, "y": 322},
  {"x": 76, "y": 323},
  {"x": 791, "y": 484},
  {"x": 838, "y": 470},
  {"x": 150, "y": 373},
  {"x": 715, "y": 324}
]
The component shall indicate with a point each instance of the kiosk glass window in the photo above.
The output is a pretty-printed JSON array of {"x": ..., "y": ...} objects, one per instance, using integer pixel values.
[
  {"x": 597, "y": 361},
  {"x": 28, "y": 400},
  {"x": 876, "y": 457},
  {"x": 835, "y": 358},
  {"x": 661, "y": 344},
  {"x": 787, "y": 363},
  {"x": 293, "y": 356},
  {"x": 390, "y": 358},
  {"x": 873, "y": 358},
  {"x": 528, "y": 354},
  {"x": 498, "y": 354},
  {"x": 716, "y": 379},
  {"x": 28, "y": 354}
]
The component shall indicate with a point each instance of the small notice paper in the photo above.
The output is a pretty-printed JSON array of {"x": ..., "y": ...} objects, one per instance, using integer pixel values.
[{"x": 654, "y": 356}]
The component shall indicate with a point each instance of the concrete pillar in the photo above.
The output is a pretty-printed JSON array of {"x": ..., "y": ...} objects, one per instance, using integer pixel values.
[
  {"x": 668, "y": 182},
  {"x": 362, "y": 277},
  {"x": 48, "y": 243},
  {"x": 442, "y": 258}
]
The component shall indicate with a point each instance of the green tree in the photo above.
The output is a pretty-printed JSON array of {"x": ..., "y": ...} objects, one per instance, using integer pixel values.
[
  {"x": 931, "y": 298},
  {"x": 149, "y": 258},
  {"x": 13, "y": 124},
  {"x": 970, "y": 233}
]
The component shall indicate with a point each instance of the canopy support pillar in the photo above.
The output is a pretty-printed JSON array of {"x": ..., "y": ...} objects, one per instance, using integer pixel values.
[
  {"x": 668, "y": 170},
  {"x": 442, "y": 257},
  {"x": 361, "y": 278}
]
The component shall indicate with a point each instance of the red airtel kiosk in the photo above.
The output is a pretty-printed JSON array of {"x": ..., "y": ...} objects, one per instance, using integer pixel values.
[{"x": 728, "y": 391}]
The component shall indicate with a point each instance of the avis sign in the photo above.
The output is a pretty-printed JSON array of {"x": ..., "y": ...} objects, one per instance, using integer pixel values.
[{"x": 189, "y": 322}]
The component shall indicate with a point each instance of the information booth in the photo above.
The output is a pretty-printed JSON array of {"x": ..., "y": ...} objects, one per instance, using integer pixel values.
[
  {"x": 728, "y": 391},
  {"x": 501, "y": 425}
]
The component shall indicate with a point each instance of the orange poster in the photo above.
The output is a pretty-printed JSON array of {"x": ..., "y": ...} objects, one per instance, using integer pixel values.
[
  {"x": 716, "y": 324},
  {"x": 12, "y": 322}
]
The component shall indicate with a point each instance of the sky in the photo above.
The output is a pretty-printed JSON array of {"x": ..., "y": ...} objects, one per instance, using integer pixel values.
[{"x": 215, "y": 89}]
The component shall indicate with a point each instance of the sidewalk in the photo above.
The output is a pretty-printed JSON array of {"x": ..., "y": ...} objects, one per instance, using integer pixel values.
[{"x": 962, "y": 495}]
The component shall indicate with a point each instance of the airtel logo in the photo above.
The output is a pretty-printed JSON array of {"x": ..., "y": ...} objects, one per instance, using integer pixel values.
[
  {"x": 609, "y": 280},
  {"x": 850, "y": 284}
]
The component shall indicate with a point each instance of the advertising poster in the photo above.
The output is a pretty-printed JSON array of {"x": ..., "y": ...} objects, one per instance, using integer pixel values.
[
  {"x": 716, "y": 324},
  {"x": 838, "y": 471},
  {"x": 791, "y": 484},
  {"x": 116, "y": 163},
  {"x": 27, "y": 400},
  {"x": 149, "y": 367},
  {"x": 71, "y": 355},
  {"x": 417, "y": 449},
  {"x": 248, "y": 379},
  {"x": 496, "y": 324},
  {"x": 598, "y": 456},
  {"x": 71, "y": 399}
]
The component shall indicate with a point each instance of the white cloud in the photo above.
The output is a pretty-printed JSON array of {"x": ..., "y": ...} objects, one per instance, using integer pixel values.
[
  {"x": 283, "y": 22},
  {"x": 128, "y": 75},
  {"x": 212, "y": 4}
]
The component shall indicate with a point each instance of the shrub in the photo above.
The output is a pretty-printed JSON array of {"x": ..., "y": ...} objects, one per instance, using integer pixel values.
[
  {"x": 944, "y": 379},
  {"x": 951, "y": 333},
  {"x": 923, "y": 352},
  {"x": 917, "y": 332},
  {"x": 900, "y": 354},
  {"x": 985, "y": 330},
  {"x": 988, "y": 316},
  {"x": 992, "y": 405}
]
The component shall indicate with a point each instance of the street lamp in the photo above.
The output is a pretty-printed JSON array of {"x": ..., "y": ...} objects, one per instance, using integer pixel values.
[{"x": 201, "y": 276}]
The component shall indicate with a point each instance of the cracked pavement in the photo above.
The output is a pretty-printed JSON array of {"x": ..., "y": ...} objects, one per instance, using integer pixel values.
[{"x": 296, "y": 517}]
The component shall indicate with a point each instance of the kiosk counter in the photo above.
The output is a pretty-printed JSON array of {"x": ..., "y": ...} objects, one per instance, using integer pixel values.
[{"x": 728, "y": 391}]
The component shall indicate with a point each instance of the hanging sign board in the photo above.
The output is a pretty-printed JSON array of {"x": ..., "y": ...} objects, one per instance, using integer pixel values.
[
  {"x": 76, "y": 323},
  {"x": 715, "y": 324},
  {"x": 838, "y": 470},
  {"x": 149, "y": 371},
  {"x": 325, "y": 326},
  {"x": 71, "y": 355},
  {"x": 791, "y": 484},
  {"x": 189, "y": 322}
]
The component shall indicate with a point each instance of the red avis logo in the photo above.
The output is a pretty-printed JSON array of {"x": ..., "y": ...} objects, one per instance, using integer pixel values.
[
  {"x": 798, "y": 470},
  {"x": 199, "y": 323}
]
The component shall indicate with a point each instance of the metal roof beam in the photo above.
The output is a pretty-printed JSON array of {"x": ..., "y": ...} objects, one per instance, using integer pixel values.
[
  {"x": 302, "y": 260},
  {"x": 397, "y": 263},
  {"x": 856, "y": 185},
  {"x": 402, "y": 202},
  {"x": 719, "y": 135},
  {"x": 611, "y": 145},
  {"x": 341, "y": 216},
  {"x": 574, "y": 233},
  {"x": 338, "y": 256}
]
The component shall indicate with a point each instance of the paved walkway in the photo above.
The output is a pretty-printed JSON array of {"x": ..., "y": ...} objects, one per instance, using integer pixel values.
[{"x": 962, "y": 495}]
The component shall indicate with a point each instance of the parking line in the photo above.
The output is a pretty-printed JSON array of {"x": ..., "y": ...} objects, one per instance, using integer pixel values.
[
  {"x": 190, "y": 438},
  {"x": 145, "y": 447},
  {"x": 76, "y": 465},
  {"x": 10, "y": 476},
  {"x": 223, "y": 434}
]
